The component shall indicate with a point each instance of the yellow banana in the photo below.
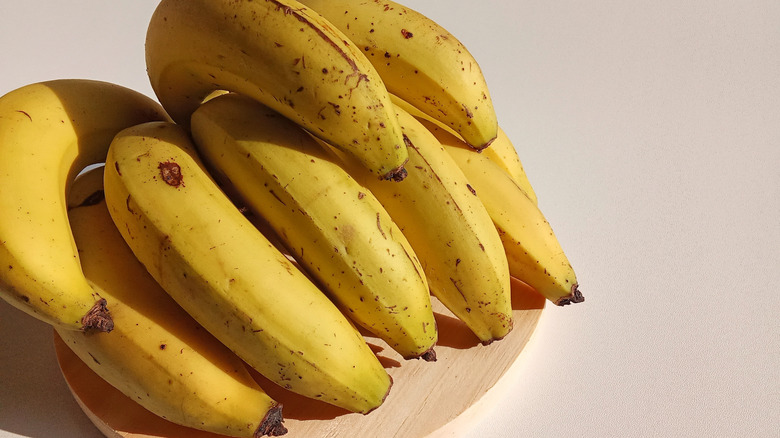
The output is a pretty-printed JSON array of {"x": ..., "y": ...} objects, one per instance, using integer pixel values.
[
  {"x": 450, "y": 232},
  {"x": 419, "y": 61},
  {"x": 533, "y": 252},
  {"x": 501, "y": 151},
  {"x": 335, "y": 228},
  {"x": 207, "y": 255},
  {"x": 285, "y": 56},
  {"x": 49, "y": 132},
  {"x": 158, "y": 355}
]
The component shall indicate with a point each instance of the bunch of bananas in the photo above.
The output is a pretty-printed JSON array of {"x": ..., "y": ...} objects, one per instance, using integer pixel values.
[{"x": 312, "y": 168}]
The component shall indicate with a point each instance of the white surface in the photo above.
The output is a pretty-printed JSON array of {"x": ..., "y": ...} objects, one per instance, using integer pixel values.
[{"x": 651, "y": 133}]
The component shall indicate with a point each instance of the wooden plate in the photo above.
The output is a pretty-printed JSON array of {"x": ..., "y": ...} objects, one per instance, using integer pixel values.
[{"x": 425, "y": 400}]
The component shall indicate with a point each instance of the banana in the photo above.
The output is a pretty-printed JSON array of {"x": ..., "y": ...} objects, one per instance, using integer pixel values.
[
  {"x": 449, "y": 230},
  {"x": 207, "y": 255},
  {"x": 285, "y": 56},
  {"x": 501, "y": 151},
  {"x": 49, "y": 131},
  {"x": 336, "y": 229},
  {"x": 157, "y": 354},
  {"x": 533, "y": 252},
  {"x": 419, "y": 61}
]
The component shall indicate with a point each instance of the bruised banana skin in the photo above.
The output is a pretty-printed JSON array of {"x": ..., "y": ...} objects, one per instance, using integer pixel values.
[
  {"x": 335, "y": 228},
  {"x": 49, "y": 131},
  {"x": 158, "y": 355},
  {"x": 501, "y": 151},
  {"x": 450, "y": 231},
  {"x": 532, "y": 250},
  {"x": 419, "y": 61},
  {"x": 207, "y": 255},
  {"x": 284, "y": 55}
]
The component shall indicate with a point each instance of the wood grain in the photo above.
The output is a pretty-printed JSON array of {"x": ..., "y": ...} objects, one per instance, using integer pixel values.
[{"x": 424, "y": 399}]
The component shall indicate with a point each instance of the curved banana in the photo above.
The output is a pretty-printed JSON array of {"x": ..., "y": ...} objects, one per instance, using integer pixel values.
[
  {"x": 450, "y": 232},
  {"x": 285, "y": 56},
  {"x": 207, "y": 255},
  {"x": 501, "y": 151},
  {"x": 157, "y": 354},
  {"x": 335, "y": 228},
  {"x": 49, "y": 131},
  {"x": 533, "y": 252},
  {"x": 419, "y": 61}
]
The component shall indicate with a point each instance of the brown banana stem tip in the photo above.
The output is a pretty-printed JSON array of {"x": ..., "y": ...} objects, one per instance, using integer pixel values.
[
  {"x": 429, "y": 356},
  {"x": 575, "y": 297},
  {"x": 398, "y": 174},
  {"x": 98, "y": 318},
  {"x": 272, "y": 423}
]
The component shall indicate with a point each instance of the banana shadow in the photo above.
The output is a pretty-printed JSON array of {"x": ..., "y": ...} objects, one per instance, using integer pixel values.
[
  {"x": 454, "y": 333},
  {"x": 35, "y": 400},
  {"x": 298, "y": 407},
  {"x": 303, "y": 408},
  {"x": 76, "y": 100},
  {"x": 524, "y": 297}
]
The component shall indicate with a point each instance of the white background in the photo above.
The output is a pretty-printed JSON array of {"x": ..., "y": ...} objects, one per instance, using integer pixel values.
[{"x": 651, "y": 133}]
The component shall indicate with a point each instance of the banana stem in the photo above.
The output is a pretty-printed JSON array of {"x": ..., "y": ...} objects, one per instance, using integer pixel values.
[
  {"x": 575, "y": 297},
  {"x": 98, "y": 318},
  {"x": 272, "y": 423},
  {"x": 429, "y": 356},
  {"x": 398, "y": 174}
]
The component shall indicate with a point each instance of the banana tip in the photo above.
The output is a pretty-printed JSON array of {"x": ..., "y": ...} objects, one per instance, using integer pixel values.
[
  {"x": 429, "y": 356},
  {"x": 272, "y": 423},
  {"x": 480, "y": 148},
  {"x": 398, "y": 174},
  {"x": 98, "y": 318},
  {"x": 389, "y": 387},
  {"x": 574, "y": 297}
]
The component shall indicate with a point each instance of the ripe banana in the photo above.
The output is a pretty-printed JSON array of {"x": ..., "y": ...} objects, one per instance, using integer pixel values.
[
  {"x": 207, "y": 255},
  {"x": 49, "y": 132},
  {"x": 157, "y": 354},
  {"x": 501, "y": 151},
  {"x": 449, "y": 230},
  {"x": 285, "y": 56},
  {"x": 335, "y": 228},
  {"x": 533, "y": 252},
  {"x": 419, "y": 61}
]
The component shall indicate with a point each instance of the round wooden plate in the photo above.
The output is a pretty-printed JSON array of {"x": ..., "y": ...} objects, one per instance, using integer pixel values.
[{"x": 426, "y": 398}]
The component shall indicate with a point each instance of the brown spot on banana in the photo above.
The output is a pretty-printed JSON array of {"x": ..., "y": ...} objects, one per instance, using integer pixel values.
[
  {"x": 287, "y": 10},
  {"x": 379, "y": 226},
  {"x": 171, "y": 173},
  {"x": 25, "y": 113},
  {"x": 455, "y": 283}
]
